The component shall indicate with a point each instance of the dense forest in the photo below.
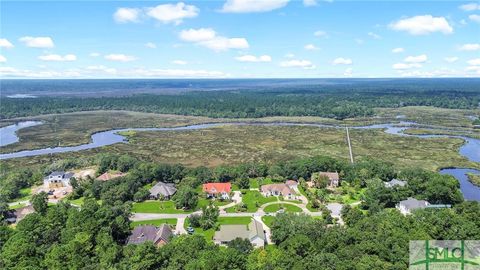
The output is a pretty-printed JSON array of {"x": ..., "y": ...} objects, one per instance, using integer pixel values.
[
  {"x": 93, "y": 237},
  {"x": 338, "y": 101}
]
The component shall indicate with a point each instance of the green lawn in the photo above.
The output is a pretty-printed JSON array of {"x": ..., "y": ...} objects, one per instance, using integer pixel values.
[
  {"x": 204, "y": 202},
  {"x": 257, "y": 182},
  {"x": 208, "y": 234},
  {"x": 234, "y": 220},
  {"x": 25, "y": 195},
  {"x": 268, "y": 220},
  {"x": 78, "y": 201},
  {"x": 164, "y": 207},
  {"x": 155, "y": 222},
  {"x": 287, "y": 207},
  {"x": 16, "y": 206},
  {"x": 253, "y": 200}
]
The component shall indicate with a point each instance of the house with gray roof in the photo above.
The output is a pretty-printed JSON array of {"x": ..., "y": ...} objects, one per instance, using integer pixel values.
[
  {"x": 162, "y": 190},
  {"x": 409, "y": 205},
  {"x": 57, "y": 179},
  {"x": 159, "y": 236},
  {"x": 253, "y": 232},
  {"x": 395, "y": 183}
]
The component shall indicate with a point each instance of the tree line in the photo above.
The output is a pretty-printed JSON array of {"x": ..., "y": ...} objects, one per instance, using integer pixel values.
[{"x": 338, "y": 101}]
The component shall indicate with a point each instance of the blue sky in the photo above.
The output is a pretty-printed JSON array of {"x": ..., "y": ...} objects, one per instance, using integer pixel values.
[{"x": 239, "y": 39}]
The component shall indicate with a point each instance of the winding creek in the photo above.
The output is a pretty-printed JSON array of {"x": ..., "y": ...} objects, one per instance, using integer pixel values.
[{"x": 470, "y": 149}]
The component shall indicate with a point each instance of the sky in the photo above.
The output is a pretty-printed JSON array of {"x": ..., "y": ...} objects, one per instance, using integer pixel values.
[{"x": 239, "y": 39}]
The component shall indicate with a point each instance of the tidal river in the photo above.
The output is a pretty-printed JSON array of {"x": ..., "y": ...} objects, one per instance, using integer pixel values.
[{"x": 470, "y": 149}]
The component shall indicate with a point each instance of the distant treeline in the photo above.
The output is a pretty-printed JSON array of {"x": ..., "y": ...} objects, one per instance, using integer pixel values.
[{"x": 332, "y": 101}]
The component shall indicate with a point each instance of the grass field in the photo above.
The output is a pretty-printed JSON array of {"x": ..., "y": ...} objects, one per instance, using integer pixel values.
[
  {"x": 155, "y": 222},
  {"x": 25, "y": 195},
  {"x": 164, "y": 207},
  {"x": 430, "y": 116},
  {"x": 258, "y": 182},
  {"x": 268, "y": 220},
  {"x": 287, "y": 207},
  {"x": 253, "y": 200},
  {"x": 235, "y": 144}
]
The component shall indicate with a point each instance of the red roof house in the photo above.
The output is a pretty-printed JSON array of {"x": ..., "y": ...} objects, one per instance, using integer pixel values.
[{"x": 214, "y": 189}]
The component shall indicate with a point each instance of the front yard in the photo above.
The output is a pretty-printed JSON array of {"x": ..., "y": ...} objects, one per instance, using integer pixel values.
[
  {"x": 155, "y": 222},
  {"x": 252, "y": 200},
  {"x": 208, "y": 234}
]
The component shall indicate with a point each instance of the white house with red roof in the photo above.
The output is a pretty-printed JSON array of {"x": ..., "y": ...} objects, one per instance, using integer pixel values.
[{"x": 215, "y": 190}]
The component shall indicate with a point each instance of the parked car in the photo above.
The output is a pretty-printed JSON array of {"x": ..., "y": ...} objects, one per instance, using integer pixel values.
[{"x": 190, "y": 230}]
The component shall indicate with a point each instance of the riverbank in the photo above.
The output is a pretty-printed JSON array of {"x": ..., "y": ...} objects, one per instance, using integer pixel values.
[{"x": 474, "y": 179}]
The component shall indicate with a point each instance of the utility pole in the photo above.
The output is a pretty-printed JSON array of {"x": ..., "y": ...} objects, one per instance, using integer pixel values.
[{"x": 349, "y": 145}]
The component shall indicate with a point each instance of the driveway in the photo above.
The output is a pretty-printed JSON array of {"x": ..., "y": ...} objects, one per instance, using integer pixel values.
[{"x": 180, "y": 228}]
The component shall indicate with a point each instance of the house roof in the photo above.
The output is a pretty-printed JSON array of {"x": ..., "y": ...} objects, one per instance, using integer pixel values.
[
  {"x": 412, "y": 203},
  {"x": 284, "y": 189},
  {"x": 229, "y": 232},
  {"x": 215, "y": 188},
  {"x": 291, "y": 183},
  {"x": 395, "y": 182},
  {"x": 164, "y": 189},
  {"x": 108, "y": 176},
  {"x": 256, "y": 230},
  {"x": 330, "y": 175},
  {"x": 65, "y": 175},
  {"x": 143, "y": 233}
]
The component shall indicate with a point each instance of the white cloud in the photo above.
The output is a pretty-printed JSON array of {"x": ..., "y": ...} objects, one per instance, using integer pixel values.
[
  {"x": 470, "y": 47},
  {"x": 398, "y": 50},
  {"x": 120, "y": 57},
  {"x": 474, "y": 18},
  {"x": 94, "y": 54},
  {"x": 169, "y": 13},
  {"x": 3, "y": 59},
  {"x": 470, "y": 7},
  {"x": 416, "y": 59},
  {"x": 125, "y": 15},
  {"x": 422, "y": 25},
  {"x": 311, "y": 47},
  {"x": 197, "y": 35},
  {"x": 374, "y": 36},
  {"x": 310, "y": 3},
  {"x": 207, "y": 37},
  {"x": 179, "y": 62},
  {"x": 246, "y": 6},
  {"x": 474, "y": 62},
  {"x": 320, "y": 33},
  {"x": 305, "y": 64},
  {"x": 58, "y": 58},
  {"x": 342, "y": 61},
  {"x": 451, "y": 59},
  {"x": 4, "y": 43},
  {"x": 253, "y": 58},
  {"x": 37, "y": 42},
  {"x": 403, "y": 66},
  {"x": 289, "y": 55},
  {"x": 151, "y": 45}
]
